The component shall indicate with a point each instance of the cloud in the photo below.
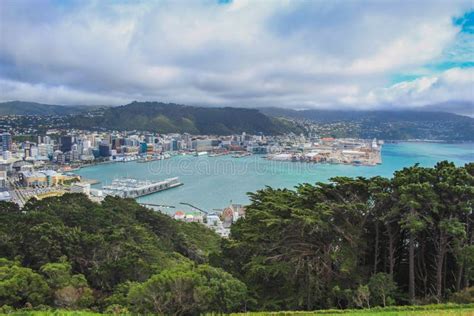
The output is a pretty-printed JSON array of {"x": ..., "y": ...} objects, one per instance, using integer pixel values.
[
  {"x": 452, "y": 85},
  {"x": 241, "y": 53}
]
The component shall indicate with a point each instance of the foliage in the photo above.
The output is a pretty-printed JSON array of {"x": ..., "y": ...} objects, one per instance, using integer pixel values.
[
  {"x": 175, "y": 118},
  {"x": 349, "y": 243},
  {"x": 186, "y": 290},
  {"x": 465, "y": 296},
  {"x": 69, "y": 247},
  {"x": 19, "y": 285},
  {"x": 353, "y": 242},
  {"x": 382, "y": 289},
  {"x": 69, "y": 291}
]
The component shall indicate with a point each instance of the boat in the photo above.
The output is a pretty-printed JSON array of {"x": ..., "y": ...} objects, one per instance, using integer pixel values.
[{"x": 245, "y": 154}]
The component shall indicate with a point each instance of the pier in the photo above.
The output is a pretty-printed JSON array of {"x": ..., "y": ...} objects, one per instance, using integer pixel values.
[{"x": 133, "y": 188}]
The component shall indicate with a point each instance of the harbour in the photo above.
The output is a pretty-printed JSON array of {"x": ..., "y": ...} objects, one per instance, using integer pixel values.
[{"x": 212, "y": 182}]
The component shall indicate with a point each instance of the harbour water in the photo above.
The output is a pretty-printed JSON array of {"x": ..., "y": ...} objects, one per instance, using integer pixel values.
[{"x": 213, "y": 182}]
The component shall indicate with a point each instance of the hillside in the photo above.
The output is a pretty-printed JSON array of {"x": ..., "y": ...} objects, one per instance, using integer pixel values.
[
  {"x": 33, "y": 108},
  {"x": 318, "y": 246},
  {"x": 171, "y": 118},
  {"x": 389, "y": 125}
]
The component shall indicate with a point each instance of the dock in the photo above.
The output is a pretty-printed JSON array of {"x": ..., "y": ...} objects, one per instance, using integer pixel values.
[{"x": 133, "y": 188}]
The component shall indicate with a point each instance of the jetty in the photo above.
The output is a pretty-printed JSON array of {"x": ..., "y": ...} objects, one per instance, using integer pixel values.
[{"x": 133, "y": 188}]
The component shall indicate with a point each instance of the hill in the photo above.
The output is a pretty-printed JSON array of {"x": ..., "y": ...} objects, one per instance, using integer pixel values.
[
  {"x": 389, "y": 125},
  {"x": 33, "y": 108},
  {"x": 176, "y": 118},
  {"x": 351, "y": 243}
]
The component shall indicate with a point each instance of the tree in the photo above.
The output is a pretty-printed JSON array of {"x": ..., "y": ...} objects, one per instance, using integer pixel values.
[
  {"x": 227, "y": 293},
  {"x": 362, "y": 296},
  {"x": 382, "y": 289},
  {"x": 70, "y": 291},
  {"x": 19, "y": 285},
  {"x": 415, "y": 199},
  {"x": 187, "y": 290}
]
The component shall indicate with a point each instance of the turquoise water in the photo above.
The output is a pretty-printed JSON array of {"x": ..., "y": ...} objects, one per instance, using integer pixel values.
[{"x": 212, "y": 182}]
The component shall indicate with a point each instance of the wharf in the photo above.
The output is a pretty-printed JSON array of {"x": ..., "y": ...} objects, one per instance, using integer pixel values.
[{"x": 133, "y": 188}]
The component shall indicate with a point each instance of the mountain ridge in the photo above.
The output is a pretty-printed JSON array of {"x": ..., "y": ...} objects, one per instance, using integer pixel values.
[{"x": 34, "y": 108}]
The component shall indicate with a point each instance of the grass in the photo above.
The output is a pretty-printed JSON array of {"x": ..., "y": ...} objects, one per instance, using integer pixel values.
[
  {"x": 419, "y": 310},
  {"x": 426, "y": 310}
]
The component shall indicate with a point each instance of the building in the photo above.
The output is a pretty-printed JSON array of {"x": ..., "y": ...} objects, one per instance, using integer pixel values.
[
  {"x": 5, "y": 196},
  {"x": 231, "y": 214},
  {"x": 7, "y": 141},
  {"x": 3, "y": 179},
  {"x": 66, "y": 143},
  {"x": 104, "y": 149},
  {"x": 46, "y": 178},
  {"x": 7, "y": 155},
  {"x": 80, "y": 187}
]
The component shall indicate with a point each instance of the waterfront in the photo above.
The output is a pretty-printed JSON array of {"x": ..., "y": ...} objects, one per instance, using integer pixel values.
[{"x": 212, "y": 182}]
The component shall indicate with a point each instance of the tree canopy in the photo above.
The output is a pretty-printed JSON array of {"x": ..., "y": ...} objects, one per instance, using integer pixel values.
[{"x": 348, "y": 243}]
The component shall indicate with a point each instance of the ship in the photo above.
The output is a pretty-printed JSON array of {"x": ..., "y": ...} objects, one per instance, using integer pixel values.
[{"x": 133, "y": 188}]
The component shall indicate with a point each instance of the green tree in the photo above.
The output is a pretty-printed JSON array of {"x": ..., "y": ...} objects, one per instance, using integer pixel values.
[
  {"x": 188, "y": 291},
  {"x": 19, "y": 285},
  {"x": 68, "y": 290},
  {"x": 177, "y": 291},
  {"x": 382, "y": 289}
]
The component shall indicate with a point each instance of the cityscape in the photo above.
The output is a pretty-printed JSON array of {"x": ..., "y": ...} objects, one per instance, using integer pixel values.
[
  {"x": 236, "y": 157},
  {"x": 46, "y": 168}
]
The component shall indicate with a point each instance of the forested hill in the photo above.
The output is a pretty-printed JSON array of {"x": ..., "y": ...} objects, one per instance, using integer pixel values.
[
  {"x": 350, "y": 243},
  {"x": 171, "y": 118},
  {"x": 33, "y": 108},
  {"x": 388, "y": 125}
]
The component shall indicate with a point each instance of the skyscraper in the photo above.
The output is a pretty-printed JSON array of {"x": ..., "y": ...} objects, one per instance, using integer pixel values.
[
  {"x": 6, "y": 141},
  {"x": 66, "y": 143}
]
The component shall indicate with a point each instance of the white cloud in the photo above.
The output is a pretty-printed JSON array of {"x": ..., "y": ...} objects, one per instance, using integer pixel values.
[
  {"x": 13, "y": 90},
  {"x": 247, "y": 53},
  {"x": 452, "y": 85}
]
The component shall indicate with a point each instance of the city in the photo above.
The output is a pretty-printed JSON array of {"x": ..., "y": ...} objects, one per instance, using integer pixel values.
[
  {"x": 236, "y": 157},
  {"x": 46, "y": 167}
]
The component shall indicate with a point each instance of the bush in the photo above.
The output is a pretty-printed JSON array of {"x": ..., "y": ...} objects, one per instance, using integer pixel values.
[
  {"x": 188, "y": 290},
  {"x": 466, "y": 296},
  {"x": 20, "y": 286}
]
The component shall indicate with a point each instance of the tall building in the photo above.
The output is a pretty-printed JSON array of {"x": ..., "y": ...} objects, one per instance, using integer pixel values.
[
  {"x": 104, "y": 149},
  {"x": 66, "y": 143},
  {"x": 6, "y": 141}
]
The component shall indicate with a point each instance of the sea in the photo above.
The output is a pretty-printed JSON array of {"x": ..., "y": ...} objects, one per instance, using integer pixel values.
[{"x": 212, "y": 183}]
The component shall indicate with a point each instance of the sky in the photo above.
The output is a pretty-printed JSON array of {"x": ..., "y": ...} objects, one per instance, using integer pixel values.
[{"x": 378, "y": 54}]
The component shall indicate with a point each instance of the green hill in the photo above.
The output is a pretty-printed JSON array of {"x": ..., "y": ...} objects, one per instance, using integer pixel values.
[
  {"x": 33, "y": 108},
  {"x": 388, "y": 125},
  {"x": 170, "y": 118}
]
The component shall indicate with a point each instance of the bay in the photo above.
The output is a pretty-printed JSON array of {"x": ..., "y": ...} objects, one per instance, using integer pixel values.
[{"x": 214, "y": 182}]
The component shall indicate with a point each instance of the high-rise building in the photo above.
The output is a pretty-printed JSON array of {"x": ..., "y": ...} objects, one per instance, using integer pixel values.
[
  {"x": 104, "y": 149},
  {"x": 6, "y": 141},
  {"x": 66, "y": 143}
]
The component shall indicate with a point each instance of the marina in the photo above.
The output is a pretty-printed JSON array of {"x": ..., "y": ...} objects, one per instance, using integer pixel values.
[{"x": 133, "y": 188}]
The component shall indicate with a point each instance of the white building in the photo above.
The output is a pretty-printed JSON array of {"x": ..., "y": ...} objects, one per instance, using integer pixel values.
[
  {"x": 7, "y": 155},
  {"x": 80, "y": 187}
]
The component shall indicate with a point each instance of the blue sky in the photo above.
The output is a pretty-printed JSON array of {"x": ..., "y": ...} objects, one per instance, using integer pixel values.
[{"x": 294, "y": 54}]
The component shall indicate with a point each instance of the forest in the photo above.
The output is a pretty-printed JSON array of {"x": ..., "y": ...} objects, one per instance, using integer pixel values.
[
  {"x": 349, "y": 243},
  {"x": 174, "y": 118}
]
